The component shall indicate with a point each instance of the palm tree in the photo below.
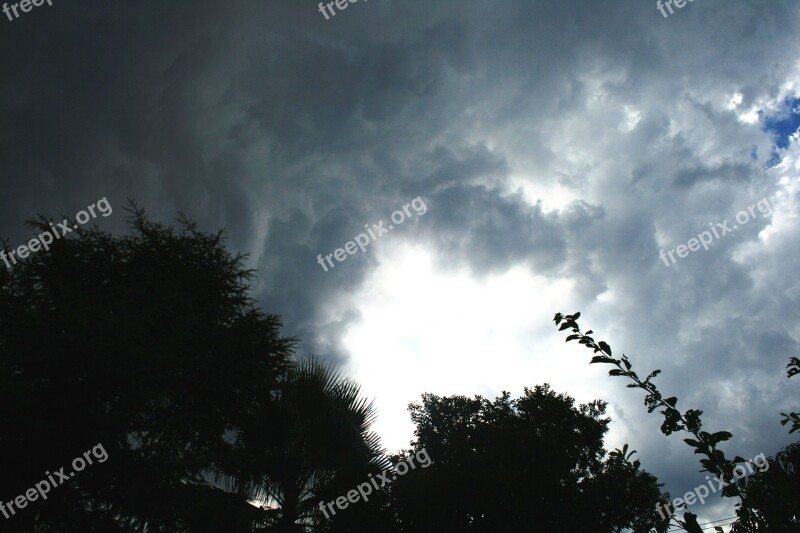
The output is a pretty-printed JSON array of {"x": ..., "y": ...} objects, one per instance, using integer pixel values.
[{"x": 310, "y": 443}]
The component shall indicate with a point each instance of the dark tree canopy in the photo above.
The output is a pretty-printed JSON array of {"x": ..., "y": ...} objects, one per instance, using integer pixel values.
[
  {"x": 535, "y": 463},
  {"x": 312, "y": 446},
  {"x": 148, "y": 344},
  {"x": 772, "y": 502}
]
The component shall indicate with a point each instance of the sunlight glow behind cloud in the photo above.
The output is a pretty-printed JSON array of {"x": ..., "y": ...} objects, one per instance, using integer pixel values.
[{"x": 423, "y": 330}]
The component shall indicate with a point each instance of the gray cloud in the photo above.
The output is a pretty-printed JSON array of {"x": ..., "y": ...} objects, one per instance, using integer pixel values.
[{"x": 293, "y": 132}]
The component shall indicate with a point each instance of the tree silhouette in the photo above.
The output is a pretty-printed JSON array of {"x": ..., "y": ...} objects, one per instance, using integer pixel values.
[
  {"x": 773, "y": 496},
  {"x": 146, "y": 343},
  {"x": 534, "y": 463},
  {"x": 755, "y": 513},
  {"x": 312, "y": 446}
]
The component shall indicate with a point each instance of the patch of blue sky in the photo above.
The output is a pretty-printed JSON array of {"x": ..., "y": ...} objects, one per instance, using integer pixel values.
[{"x": 781, "y": 125}]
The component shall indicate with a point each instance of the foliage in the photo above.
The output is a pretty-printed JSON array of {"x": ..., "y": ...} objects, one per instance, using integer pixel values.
[
  {"x": 794, "y": 418},
  {"x": 312, "y": 446},
  {"x": 147, "y": 343},
  {"x": 534, "y": 463},
  {"x": 704, "y": 443},
  {"x": 773, "y": 496},
  {"x": 752, "y": 517}
]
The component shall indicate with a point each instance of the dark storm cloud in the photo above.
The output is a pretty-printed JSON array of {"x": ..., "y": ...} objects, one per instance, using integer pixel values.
[{"x": 293, "y": 132}]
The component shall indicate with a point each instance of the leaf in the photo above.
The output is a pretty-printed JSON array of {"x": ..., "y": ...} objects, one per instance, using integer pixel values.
[
  {"x": 653, "y": 374},
  {"x": 616, "y": 372},
  {"x": 572, "y": 338},
  {"x": 793, "y": 366},
  {"x": 720, "y": 436},
  {"x": 671, "y": 401},
  {"x": 576, "y": 316},
  {"x": 564, "y": 326},
  {"x": 605, "y": 347},
  {"x": 601, "y": 359},
  {"x": 692, "y": 442}
]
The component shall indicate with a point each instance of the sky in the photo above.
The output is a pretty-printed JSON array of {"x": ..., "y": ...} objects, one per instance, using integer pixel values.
[{"x": 557, "y": 149}]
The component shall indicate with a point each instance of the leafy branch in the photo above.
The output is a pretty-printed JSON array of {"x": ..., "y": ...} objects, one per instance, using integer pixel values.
[
  {"x": 624, "y": 456},
  {"x": 793, "y": 369},
  {"x": 704, "y": 443}
]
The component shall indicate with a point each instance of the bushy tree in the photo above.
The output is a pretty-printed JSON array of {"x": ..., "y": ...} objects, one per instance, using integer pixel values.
[
  {"x": 147, "y": 343},
  {"x": 534, "y": 463},
  {"x": 772, "y": 497}
]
